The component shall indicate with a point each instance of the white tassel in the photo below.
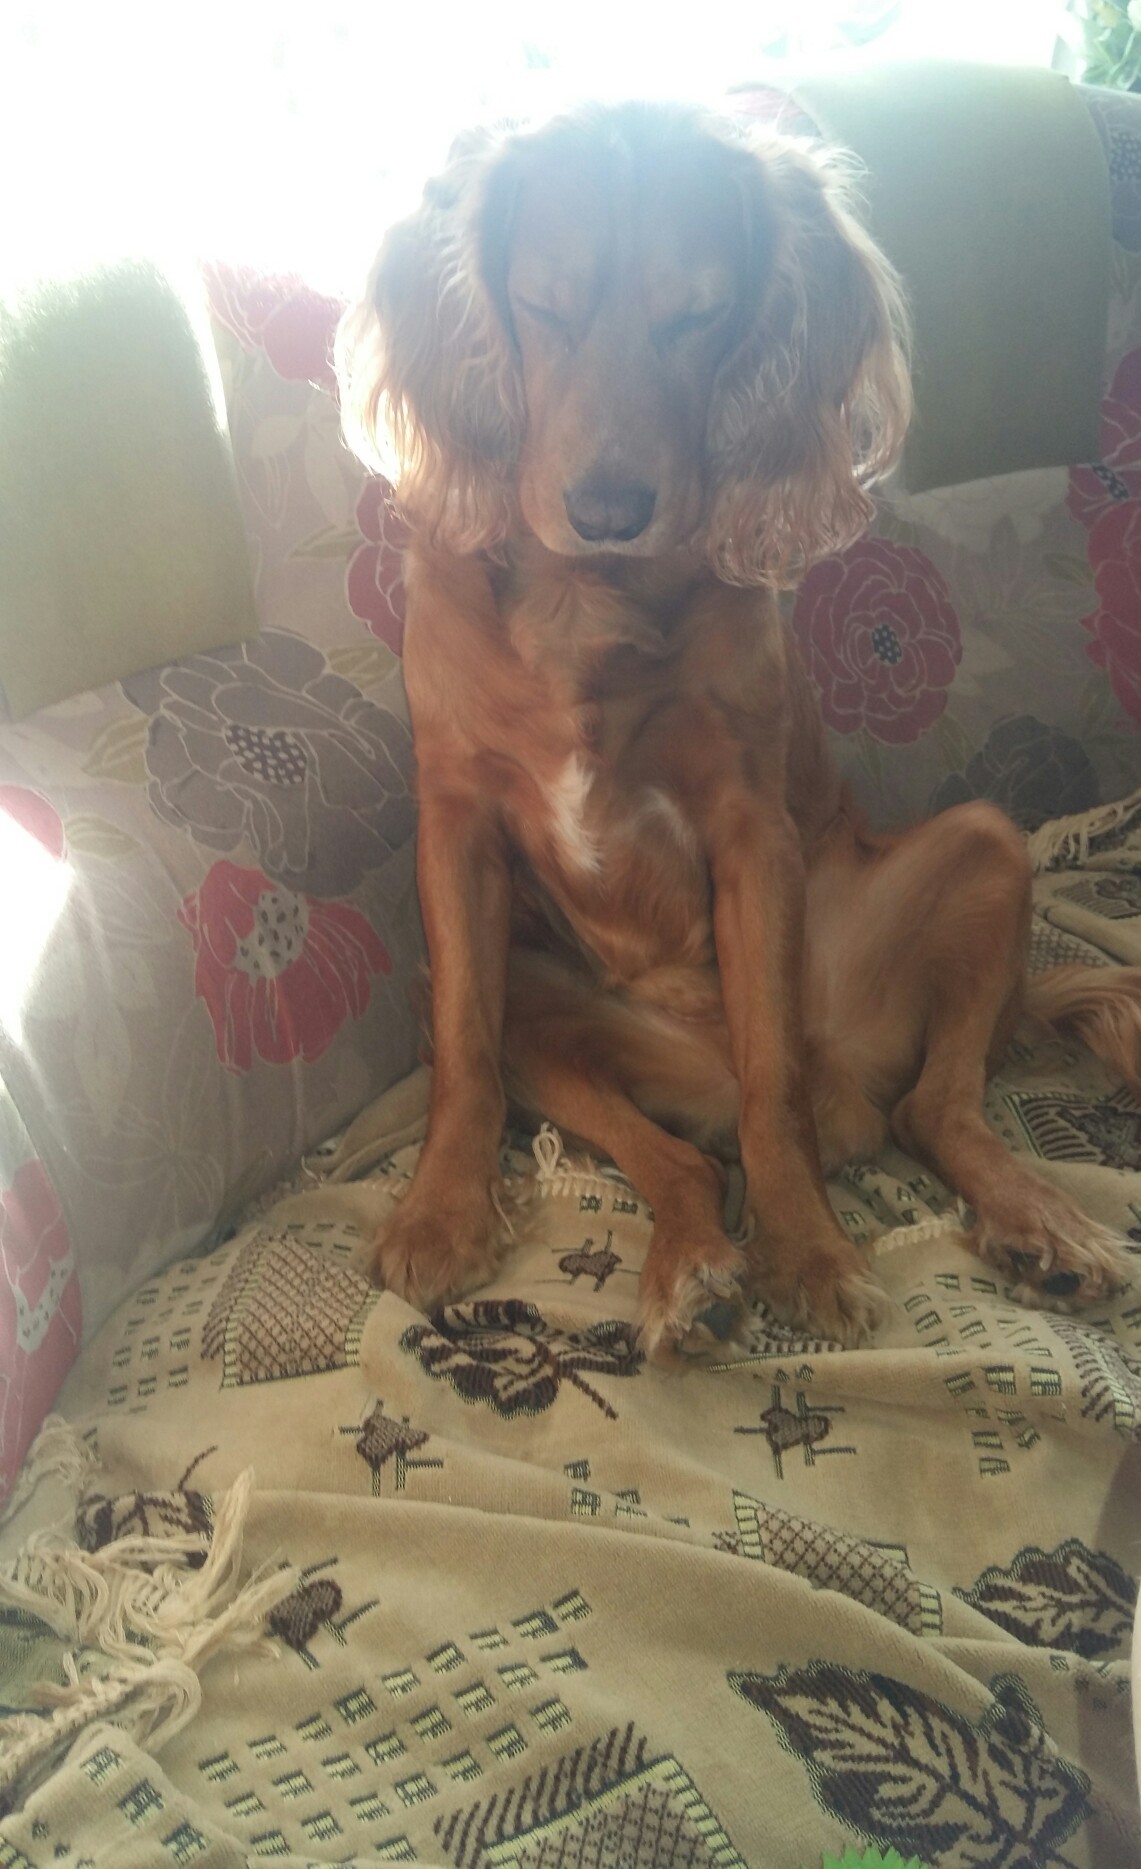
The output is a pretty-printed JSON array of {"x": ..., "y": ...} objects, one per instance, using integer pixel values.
[
  {"x": 57, "y": 1452},
  {"x": 138, "y": 1602},
  {"x": 558, "y": 1173},
  {"x": 1064, "y": 842},
  {"x": 547, "y": 1148},
  {"x": 919, "y": 1233}
]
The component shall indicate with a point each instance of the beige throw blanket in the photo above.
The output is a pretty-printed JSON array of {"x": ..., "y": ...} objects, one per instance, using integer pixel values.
[{"x": 353, "y": 1585}]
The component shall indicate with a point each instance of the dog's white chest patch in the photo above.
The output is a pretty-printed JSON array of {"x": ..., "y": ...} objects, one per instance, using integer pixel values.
[
  {"x": 566, "y": 800},
  {"x": 660, "y": 813}
]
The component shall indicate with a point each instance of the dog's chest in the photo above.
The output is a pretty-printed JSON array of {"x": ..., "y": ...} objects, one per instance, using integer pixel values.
[
  {"x": 608, "y": 837},
  {"x": 593, "y": 820}
]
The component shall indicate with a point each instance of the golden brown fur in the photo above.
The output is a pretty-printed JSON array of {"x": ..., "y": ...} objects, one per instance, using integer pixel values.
[{"x": 633, "y": 373}]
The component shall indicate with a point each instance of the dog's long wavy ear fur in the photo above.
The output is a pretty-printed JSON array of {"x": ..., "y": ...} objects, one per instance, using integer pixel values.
[
  {"x": 430, "y": 393},
  {"x": 813, "y": 406}
]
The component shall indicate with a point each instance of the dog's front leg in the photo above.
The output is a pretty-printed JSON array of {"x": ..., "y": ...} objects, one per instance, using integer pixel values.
[
  {"x": 803, "y": 1263},
  {"x": 446, "y": 1234}
]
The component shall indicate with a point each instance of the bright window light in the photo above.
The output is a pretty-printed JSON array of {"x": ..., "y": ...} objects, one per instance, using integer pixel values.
[
  {"x": 36, "y": 887},
  {"x": 287, "y": 134}
]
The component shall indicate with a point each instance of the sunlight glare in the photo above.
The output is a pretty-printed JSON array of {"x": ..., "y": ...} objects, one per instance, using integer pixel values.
[
  {"x": 36, "y": 888},
  {"x": 287, "y": 135}
]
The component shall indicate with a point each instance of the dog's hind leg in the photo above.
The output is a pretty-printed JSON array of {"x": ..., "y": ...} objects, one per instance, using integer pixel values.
[{"x": 937, "y": 929}]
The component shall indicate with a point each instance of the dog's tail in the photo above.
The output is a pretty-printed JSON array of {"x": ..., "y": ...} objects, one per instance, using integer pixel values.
[{"x": 1099, "y": 1005}]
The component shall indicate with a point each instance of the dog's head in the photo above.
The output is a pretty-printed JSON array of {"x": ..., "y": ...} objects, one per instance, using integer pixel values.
[{"x": 630, "y": 331}]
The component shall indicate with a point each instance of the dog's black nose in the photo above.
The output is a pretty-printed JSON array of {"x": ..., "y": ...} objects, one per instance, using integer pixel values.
[{"x": 610, "y": 510}]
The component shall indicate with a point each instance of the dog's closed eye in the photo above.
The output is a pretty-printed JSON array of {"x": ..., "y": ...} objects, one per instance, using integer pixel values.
[
  {"x": 544, "y": 317},
  {"x": 688, "y": 324}
]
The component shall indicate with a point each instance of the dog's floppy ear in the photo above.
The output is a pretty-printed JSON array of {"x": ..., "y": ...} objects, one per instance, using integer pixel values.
[
  {"x": 430, "y": 391},
  {"x": 814, "y": 404}
]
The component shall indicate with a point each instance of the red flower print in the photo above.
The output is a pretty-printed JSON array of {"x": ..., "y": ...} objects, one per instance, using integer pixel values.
[
  {"x": 374, "y": 580},
  {"x": 285, "y": 319},
  {"x": 279, "y": 972},
  {"x": 1115, "y": 626},
  {"x": 32, "y": 812},
  {"x": 1117, "y": 476},
  {"x": 880, "y": 638},
  {"x": 40, "y": 1310}
]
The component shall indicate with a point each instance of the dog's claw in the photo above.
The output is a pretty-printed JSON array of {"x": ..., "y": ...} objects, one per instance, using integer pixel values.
[
  {"x": 1062, "y": 1284},
  {"x": 696, "y": 1312},
  {"x": 719, "y": 1319},
  {"x": 1050, "y": 1250}
]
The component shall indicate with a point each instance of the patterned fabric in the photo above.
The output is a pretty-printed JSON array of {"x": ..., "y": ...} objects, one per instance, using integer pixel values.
[
  {"x": 984, "y": 641},
  {"x": 551, "y": 1606}
]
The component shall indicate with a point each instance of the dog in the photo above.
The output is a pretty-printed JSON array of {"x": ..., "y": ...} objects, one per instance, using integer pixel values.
[{"x": 631, "y": 374}]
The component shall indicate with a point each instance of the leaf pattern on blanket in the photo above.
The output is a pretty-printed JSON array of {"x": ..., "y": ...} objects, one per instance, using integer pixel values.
[
  {"x": 906, "y": 1770},
  {"x": 1072, "y": 1598},
  {"x": 1115, "y": 1132},
  {"x": 179, "y": 1513},
  {"x": 506, "y": 1354},
  {"x": 1066, "y": 1128}
]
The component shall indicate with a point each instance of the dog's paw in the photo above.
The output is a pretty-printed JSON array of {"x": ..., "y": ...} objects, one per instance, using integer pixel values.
[
  {"x": 1051, "y": 1252},
  {"x": 431, "y": 1252},
  {"x": 826, "y": 1291},
  {"x": 690, "y": 1303}
]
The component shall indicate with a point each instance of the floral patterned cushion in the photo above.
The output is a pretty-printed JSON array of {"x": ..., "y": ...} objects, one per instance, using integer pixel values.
[
  {"x": 985, "y": 640},
  {"x": 209, "y": 886}
]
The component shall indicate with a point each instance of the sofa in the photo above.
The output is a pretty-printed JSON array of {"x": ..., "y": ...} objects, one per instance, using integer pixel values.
[{"x": 289, "y": 1570}]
